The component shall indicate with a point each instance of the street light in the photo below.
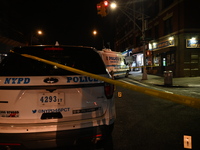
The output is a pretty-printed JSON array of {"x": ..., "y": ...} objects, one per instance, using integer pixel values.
[
  {"x": 39, "y": 32},
  {"x": 113, "y": 5},
  {"x": 142, "y": 29},
  {"x": 95, "y": 33}
]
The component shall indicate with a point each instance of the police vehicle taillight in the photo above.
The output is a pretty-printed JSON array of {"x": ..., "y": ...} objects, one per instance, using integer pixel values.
[
  {"x": 54, "y": 48},
  {"x": 10, "y": 144},
  {"x": 109, "y": 90}
]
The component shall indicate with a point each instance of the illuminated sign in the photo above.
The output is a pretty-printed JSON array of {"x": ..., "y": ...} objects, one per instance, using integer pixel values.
[
  {"x": 163, "y": 44},
  {"x": 192, "y": 43}
]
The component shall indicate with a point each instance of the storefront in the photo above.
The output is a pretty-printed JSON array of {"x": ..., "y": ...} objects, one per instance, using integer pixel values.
[
  {"x": 178, "y": 53},
  {"x": 162, "y": 56},
  {"x": 137, "y": 59}
]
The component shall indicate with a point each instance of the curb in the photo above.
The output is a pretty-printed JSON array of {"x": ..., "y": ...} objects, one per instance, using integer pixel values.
[{"x": 172, "y": 86}]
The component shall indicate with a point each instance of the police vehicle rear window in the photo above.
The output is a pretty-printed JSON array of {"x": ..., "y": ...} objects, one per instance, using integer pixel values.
[{"x": 85, "y": 59}]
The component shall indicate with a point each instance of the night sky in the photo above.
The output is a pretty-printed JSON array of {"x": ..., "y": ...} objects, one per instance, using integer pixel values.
[{"x": 65, "y": 21}]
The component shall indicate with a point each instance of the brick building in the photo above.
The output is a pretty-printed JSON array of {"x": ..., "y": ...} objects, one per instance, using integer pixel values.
[{"x": 172, "y": 35}]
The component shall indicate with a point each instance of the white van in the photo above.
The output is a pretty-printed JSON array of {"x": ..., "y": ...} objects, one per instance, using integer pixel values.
[
  {"x": 115, "y": 63},
  {"x": 43, "y": 106}
]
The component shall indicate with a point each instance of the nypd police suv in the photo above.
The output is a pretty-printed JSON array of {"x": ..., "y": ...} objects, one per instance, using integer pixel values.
[{"x": 43, "y": 106}]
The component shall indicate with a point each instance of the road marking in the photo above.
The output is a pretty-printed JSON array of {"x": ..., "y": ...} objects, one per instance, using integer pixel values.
[
  {"x": 193, "y": 85},
  {"x": 133, "y": 81},
  {"x": 195, "y": 93}
]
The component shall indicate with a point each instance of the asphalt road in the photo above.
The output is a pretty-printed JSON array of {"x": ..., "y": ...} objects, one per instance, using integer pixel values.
[{"x": 149, "y": 123}]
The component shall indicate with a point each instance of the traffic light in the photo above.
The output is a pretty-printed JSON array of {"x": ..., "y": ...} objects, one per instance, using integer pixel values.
[
  {"x": 102, "y": 8},
  {"x": 99, "y": 7},
  {"x": 105, "y": 3}
]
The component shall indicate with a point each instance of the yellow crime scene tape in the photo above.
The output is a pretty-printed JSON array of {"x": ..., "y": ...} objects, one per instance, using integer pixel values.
[{"x": 189, "y": 101}]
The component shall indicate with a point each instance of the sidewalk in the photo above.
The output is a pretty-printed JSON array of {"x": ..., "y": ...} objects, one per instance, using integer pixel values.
[{"x": 159, "y": 81}]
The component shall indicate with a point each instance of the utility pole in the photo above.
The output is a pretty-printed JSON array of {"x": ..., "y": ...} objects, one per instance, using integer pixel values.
[{"x": 144, "y": 75}]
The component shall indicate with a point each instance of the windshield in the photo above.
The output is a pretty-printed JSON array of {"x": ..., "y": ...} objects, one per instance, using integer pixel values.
[{"x": 85, "y": 59}]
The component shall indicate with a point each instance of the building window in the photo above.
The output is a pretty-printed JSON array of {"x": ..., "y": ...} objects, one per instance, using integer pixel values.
[
  {"x": 172, "y": 59},
  {"x": 157, "y": 60},
  {"x": 168, "y": 26},
  {"x": 168, "y": 60}
]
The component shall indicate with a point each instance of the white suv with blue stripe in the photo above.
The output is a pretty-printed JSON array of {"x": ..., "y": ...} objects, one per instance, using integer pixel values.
[{"x": 44, "y": 106}]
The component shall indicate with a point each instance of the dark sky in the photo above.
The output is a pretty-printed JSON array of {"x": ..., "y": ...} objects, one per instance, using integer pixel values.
[{"x": 65, "y": 21}]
